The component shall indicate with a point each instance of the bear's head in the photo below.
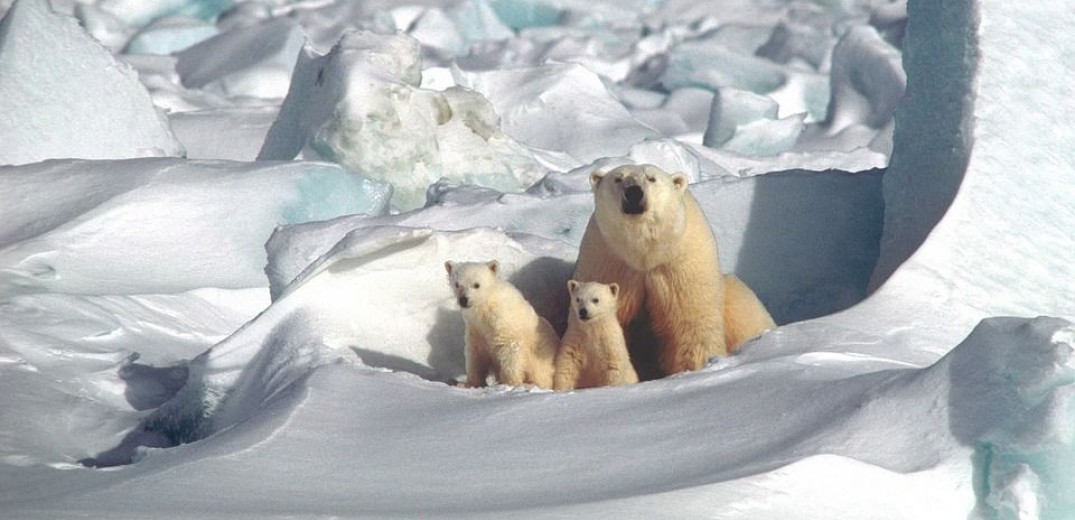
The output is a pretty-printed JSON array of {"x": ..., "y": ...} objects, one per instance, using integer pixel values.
[
  {"x": 593, "y": 300},
  {"x": 471, "y": 281},
  {"x": 636, "y": 190}
]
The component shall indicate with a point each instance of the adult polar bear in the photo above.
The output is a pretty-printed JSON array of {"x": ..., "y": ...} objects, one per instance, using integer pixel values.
[{"x": 649, "y": 235}]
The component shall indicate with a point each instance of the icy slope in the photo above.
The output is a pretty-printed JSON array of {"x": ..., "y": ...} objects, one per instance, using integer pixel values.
[
  {"x": 64, "y": 95},
  {"x": 329, "y": 400}
]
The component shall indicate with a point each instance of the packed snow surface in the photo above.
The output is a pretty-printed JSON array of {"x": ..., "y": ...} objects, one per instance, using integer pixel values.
[{"x": 223, "y": 227}]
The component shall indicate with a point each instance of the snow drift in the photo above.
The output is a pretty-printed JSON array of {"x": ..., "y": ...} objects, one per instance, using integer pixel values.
[{"x": 138, "y": 331}]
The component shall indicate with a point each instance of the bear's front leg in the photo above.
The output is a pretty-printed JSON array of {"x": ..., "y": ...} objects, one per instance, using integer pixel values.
[
  {"x": 568, "y": 364},
  {"x": 621, "y": 374},
  {"x": 477, "y": 356},
  {"x": 686, "y": 314},
  {"x": 510, "y": 362}
]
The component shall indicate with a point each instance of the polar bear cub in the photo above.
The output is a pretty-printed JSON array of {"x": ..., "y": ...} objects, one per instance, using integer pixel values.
[
  {"x": 594, "y": 350},
  {"x": 503, "y": 333}
]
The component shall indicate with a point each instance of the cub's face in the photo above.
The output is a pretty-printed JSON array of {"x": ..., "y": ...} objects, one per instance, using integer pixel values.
[
  {"x": 637, "y": 190},
  {"x": 592, "y": 300},
  {"x": 471, "y": 281}
]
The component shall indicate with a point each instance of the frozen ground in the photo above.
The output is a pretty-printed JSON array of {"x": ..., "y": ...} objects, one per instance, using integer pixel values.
[{"x": 223, "y": 227}]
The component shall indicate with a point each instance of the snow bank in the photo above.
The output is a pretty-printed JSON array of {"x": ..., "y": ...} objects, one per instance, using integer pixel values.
[
  {"x": 782, "y": 440},
  {"x": 339, "y": 307},
  {"x": 64, "y": 95},
  {"x": 360, "y": 106},
  {"x": 820, "y": 240},
  {"x": 966, "y": 231},
  {"x": 160, "y": 225}
]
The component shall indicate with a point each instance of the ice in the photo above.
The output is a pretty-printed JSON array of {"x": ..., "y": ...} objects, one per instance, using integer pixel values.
[
  {"x": 139, "y": 13},
  {"x": 523, "y": 14},
  {"x": 703, "y": 64},
  {"x": 962, "y": 135},
  {"x": 478, "y": 22},
  {"x": 160, "y": 225},
  {"x": 1014, "y": 402},
  {"x": 63, "y": 95},
  {"x": 360, "y": 106},
  {"x": 254, "y": 61},
  {"x": 867, "y": 82},
  {"x": 134, "y": 313},
  {"x": 235, "y": 134},
  {"x": 170, "y": 35},
  {"x": 746, "y": 123},
  {"x": 535, "y": 102}
]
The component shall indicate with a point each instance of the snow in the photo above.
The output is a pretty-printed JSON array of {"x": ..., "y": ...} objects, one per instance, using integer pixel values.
[
  {"x": 64, "y": 95},
  {"x": 262, "y": 327}
]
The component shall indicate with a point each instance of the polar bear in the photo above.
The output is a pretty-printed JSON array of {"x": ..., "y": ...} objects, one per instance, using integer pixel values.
[
  {"x": 593, "y": 351},
  {"x": 503, "y": 333},
  {"x": 649, "y": 235}
]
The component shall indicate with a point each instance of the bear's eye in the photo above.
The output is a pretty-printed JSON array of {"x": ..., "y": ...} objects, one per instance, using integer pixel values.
[
  {"x": 595, "y": 301},
  {"x": 618, "y": 180},
  {"x": 477, "y": 285},
  {"x": 651, "y": 179}
]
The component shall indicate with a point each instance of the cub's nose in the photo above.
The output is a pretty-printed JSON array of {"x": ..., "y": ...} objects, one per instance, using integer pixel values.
[
  {"x": 464, "y": 302},
  {"x": 584, "y": 314},
  {"x": 634, "y": 194}
]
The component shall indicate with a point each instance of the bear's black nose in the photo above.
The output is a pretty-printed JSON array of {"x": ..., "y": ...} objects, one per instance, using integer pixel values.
[
  {"x": 464, "y": 302},
  {"x": 584, "y": 314},
  {"x": 634, "y": 200}
]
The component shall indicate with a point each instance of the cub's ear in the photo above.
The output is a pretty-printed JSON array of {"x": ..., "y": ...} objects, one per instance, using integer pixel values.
[
  {"x": 494, "y": 266},
  {"x": 614, "y": 288},
  {"x": 448, "y": 266},
  {"x": 680, "y": 181},
  {"x": 595, "y": 179},
  {"x": 572, "y": 286}
]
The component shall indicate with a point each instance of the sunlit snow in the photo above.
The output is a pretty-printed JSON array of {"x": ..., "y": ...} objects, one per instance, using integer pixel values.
[{"x": 223, "y": 226}]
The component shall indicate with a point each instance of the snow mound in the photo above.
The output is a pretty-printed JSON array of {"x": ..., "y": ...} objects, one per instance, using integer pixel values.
[
  {"x": 868, "y": 436},
  {"x": 339, "y": 307},
  {"x": 64, "y": 95},
  {"x": 820, "y": 240},
  {"x": 360, "y": 106},
  {"x": 161, "y": 225}
]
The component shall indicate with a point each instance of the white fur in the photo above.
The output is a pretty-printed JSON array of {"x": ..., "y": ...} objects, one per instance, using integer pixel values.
[
  {"x": 593, "y": 351},
  {"x": 504, "y": 335},
  {"x": 665, "y": 260}
]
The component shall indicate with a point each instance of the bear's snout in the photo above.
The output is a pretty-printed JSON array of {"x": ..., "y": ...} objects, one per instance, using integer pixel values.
[
  {"x": 584, "y": 314},
  {"x": 464, "y": 302},
  {"x": 634, "y": 198}
]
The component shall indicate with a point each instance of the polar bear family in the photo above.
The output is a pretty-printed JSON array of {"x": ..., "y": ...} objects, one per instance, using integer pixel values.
[{"x": 647, "y": 296}]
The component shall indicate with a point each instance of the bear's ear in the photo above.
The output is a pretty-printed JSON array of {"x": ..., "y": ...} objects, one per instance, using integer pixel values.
[
  {"x": 680, "y": 181},
  {"x": 494, "y": 266},
  {"x": 614, "y": 288},
  {"x": 572, "y": 286},
  {"x": 448, "y": 266},
  {"x": 595, "y": 179}
]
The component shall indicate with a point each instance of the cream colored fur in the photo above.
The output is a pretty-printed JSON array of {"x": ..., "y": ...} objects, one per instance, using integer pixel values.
[
  {"x": 503, "y": 334},
  {"x": 593, "y": 351},
  {"x": 664, "y": 259}
]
